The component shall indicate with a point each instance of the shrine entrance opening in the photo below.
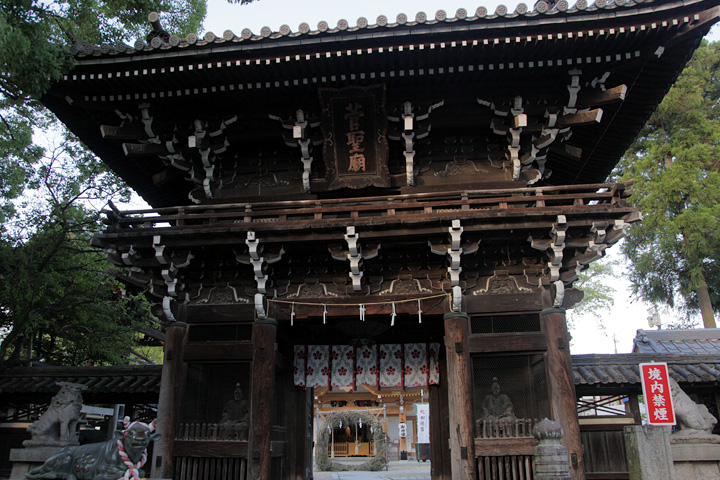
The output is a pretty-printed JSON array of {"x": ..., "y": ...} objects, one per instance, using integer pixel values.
[{"x": 372, "y": 382}]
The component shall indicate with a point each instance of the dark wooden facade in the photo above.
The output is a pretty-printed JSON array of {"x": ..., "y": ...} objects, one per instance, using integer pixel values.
[{"x": 428, "y": 180}]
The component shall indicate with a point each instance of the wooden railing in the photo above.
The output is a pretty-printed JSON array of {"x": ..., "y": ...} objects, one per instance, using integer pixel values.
[
  {"x": 507, "y": 467},
  {"x": 331, "y": 212},
  {"x": 211, "y": 432},
  {"x": 504, "y": 428},
  {"x": 504, "y": 448},
  {"x": 204, "y": 468}
]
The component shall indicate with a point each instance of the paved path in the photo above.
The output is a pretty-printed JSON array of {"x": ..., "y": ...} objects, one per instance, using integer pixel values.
[{"x": 398, "y": 470}]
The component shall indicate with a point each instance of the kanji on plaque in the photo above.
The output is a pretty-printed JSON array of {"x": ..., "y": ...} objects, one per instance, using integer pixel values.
[
  {"x": 656, "y": 390},
  {"x": 355, "y": 146}
]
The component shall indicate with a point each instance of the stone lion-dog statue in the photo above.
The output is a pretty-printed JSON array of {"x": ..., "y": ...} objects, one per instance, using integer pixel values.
[
  {"x": 694, "y": 422},
  {"x": 57, "y": 426}
]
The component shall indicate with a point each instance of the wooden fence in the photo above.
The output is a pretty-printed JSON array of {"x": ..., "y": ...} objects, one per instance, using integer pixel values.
[{"x": 504, "y": 449}]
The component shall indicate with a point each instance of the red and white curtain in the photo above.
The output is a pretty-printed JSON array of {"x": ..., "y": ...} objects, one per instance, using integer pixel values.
[{"x": 391, "y": 365}]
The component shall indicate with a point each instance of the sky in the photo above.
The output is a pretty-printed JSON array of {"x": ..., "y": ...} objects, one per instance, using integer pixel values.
[
  {"x": 275, "y": 13},
  {"x": 626, "y": 317}
]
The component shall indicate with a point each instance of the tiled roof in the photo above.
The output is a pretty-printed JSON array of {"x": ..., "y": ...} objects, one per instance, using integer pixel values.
[
  {"x": 123, "y": 380},
  {"x": 621, "y": 369},
  {"x": 543, "y": 11},
  {"x": 701, "y": 341}
]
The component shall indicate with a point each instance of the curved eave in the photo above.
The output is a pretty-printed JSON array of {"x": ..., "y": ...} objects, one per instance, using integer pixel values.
[{"x": 644, "y": 46}]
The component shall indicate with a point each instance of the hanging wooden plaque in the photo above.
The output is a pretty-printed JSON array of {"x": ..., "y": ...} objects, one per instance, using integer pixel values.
[{"x": 355, "y": 145}]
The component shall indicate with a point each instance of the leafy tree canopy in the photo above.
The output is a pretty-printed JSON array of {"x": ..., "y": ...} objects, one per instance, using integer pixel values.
[
  {"x": 674, "y": 251},
  {"x": 595, "y": 282},
  {"x": 58, "y": 300}
]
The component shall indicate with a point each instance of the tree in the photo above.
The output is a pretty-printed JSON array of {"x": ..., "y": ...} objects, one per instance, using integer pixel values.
[
  {"x": 599, "y": 293},
  {"x": 673, "y": 252},
  {"x": 58, "y": 299}
]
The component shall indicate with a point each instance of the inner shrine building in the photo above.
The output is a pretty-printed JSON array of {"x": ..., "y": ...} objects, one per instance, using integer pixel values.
[{"x": 396, "y": 204}]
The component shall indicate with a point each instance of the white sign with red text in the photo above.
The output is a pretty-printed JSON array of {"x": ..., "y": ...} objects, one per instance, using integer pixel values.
[{"x": 656, "y": 390}]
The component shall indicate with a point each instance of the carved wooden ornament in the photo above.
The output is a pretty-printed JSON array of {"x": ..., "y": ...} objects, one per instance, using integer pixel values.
[{"x": 355, "y": 147}]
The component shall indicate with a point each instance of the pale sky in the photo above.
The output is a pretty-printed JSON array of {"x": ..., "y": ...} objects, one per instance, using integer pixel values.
[{"x": 625, "y": 318}]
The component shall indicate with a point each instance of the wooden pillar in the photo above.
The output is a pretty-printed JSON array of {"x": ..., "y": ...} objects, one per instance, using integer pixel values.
[
  {"x": 171, "y": 383},
  {"x": 301, "y": 434},
  {"x": 561, "y": 386},
  {"x": 462, "y": 440},
  {"x": 263, "y": 376},
  {"x": 440, "y": 468}
]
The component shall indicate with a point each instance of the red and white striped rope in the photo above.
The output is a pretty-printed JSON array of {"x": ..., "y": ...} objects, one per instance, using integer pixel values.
[{"x": 132, "y": 468}]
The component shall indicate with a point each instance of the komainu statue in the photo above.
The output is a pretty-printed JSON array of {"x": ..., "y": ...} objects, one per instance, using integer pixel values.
[
  {"x": 56, "y": 427},
  {"x": 120, "y": 458},
  {"x": 694, "y": 422}
]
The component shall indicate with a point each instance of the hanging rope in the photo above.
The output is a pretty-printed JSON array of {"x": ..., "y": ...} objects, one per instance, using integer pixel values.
[
  {"x": 362, "y": 307},
  {"x": 347, "y": 305},
  {"x": 132, "y": 471}
]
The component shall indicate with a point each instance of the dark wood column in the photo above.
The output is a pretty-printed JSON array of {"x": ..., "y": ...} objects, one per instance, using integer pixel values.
[
  {"x": 459, "y": 378},
  {"x": 440, "y": 468},
  {"x": 263, "y": 375},
  {"x": 563, "y": 407},
  {"x": 171, "y": 382}
]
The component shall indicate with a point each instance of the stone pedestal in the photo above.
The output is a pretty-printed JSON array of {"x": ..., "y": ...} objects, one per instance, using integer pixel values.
[
  {"x": 25, "y": 459},
  {"x": 648, "y": 452},
  {"x": 696, "y": 462},
  {"x": 551, "y": 456}
]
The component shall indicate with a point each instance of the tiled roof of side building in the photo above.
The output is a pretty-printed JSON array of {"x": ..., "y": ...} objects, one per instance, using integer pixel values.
[
  {"x": 622, "y": 369},
  {"x": 702, "y": 341}
]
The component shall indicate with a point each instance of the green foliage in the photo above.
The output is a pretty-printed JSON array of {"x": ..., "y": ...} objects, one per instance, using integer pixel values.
[
  {"x": 673, "y": 252},
  {"x": 58, "y": 301},
  {"x": 599, "y": 293}
]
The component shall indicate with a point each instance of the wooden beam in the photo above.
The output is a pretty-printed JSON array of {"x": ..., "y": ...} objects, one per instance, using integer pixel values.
[
  {"x": 143, "y": 149},
  {"x": 594, "y": 98},
  {"x": 217, "y": 351},
  {"x": 507, "y": 342},
  {"x": 499, "y": 447},
  {"x": 581, "y": 118},
  {"x": 521, "y": 302},
  {"x": 229, "y": 313},
  {"x": 573, "y": 153},
  {"x": 130, "y": 132}
]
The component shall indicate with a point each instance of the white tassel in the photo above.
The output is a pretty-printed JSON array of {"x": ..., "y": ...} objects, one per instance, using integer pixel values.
[
  {"x": 324, "y": 314},
  {"x": 360, "y": 422},
  {"x": 340, "y": 423},
  {"x": 292, "y": 315},
  {"x": 392, "y": 317},
  {"x": 419, "y": 312},
  {"x": 362, "y": 312}
]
